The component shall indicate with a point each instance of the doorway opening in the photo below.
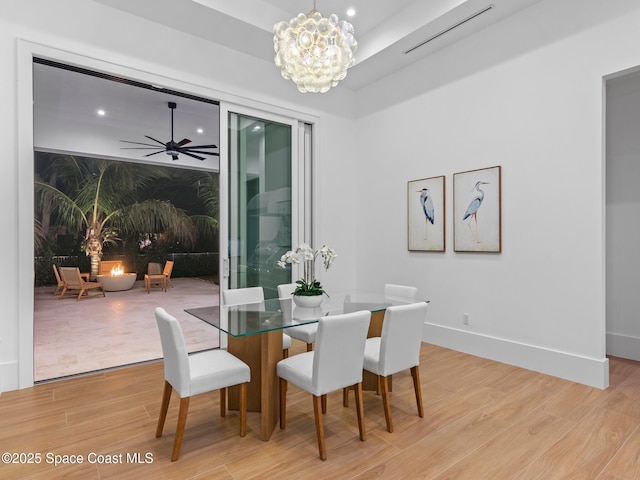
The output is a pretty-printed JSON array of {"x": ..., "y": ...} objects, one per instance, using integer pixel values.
[{"x": 80, "y": 121}]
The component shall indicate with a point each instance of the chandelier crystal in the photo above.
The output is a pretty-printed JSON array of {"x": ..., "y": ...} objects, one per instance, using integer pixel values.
[{"x": 313, "y": 51}]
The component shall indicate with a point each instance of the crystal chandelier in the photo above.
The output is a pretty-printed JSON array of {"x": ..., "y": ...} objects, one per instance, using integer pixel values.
[{"x": 313, "y": 51}]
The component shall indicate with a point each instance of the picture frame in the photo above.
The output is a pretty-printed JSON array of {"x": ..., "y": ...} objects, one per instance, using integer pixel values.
[
  {"x": 426, "y": 220},
  {"x": 477, "y": 210}
]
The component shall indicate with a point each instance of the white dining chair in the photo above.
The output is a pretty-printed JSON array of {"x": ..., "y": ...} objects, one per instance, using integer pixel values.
[
  {"x": 396, "y": 350},
  {"x": 194, "y": 374},
  {"x": 241, "y": 296},
  {"x": 304, "y": 333},
  {"x": 335, "y": 363},
  {"x": 401, "y": 293}
]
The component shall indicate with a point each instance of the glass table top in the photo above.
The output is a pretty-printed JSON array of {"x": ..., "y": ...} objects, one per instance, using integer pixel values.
[{"x": 280, "y": 314}]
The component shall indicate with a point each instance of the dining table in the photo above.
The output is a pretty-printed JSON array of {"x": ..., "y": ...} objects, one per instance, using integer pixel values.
[{"x": 254, "y": 335}]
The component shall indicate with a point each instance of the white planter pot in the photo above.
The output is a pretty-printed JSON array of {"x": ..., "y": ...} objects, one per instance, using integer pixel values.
[{"x": 308, "y": 301}]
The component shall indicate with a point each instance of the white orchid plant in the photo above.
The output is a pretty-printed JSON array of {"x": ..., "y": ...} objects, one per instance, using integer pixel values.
[{"x": 303, "y": 254}]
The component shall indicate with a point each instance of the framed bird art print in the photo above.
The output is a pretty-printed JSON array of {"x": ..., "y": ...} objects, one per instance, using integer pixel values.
[
  {"x": 426, "y": 214},
  {"x": 477, "y": 211}
]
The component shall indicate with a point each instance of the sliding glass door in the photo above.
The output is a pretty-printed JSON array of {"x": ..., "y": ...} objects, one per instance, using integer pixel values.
[{"x": 263, "y": 211}]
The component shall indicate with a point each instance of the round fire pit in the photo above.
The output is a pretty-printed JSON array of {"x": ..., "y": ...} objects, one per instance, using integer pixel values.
[{"x": 116, "y": 283}]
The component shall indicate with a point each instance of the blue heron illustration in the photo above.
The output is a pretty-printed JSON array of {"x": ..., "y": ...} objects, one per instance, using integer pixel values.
[
  {"x": 472, "y": 209},
  {"x": 427, "y": 207}
]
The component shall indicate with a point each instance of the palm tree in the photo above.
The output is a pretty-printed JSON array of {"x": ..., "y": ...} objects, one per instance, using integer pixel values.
[
  {"x": 206, "y": 219},
  {"x": 100, "y": 199}
]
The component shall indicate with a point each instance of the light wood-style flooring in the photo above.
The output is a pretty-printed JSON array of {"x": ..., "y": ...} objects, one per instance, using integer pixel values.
[{"x": 483, "y": 420}]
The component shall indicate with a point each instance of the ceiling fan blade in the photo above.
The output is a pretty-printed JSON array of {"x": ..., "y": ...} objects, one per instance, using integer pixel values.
[
  {"x": 192, "y": 155},
  {"x": 140, "y": 143},
  {"x": 184, "y": 141},
  {"x": 155, "y": 153},
  {"x": 151, "y": 138},
  {"x": 190, "y": 150},
  {"x": 203, "y": 146},
  {"x": 139, "y": 148}
]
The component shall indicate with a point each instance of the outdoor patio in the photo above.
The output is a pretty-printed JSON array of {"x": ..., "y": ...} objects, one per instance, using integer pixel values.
[{"x": 73, "y": 337}]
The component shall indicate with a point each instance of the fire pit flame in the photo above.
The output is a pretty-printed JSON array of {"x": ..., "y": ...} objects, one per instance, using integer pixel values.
[{"x": 117, "y": 271}]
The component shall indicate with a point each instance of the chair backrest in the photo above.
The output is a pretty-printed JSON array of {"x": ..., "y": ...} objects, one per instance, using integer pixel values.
[
  {"x": 285, "y": 290},
  {"x": 168, "y": 268},
  {"x": 174, "y": 351},
  {"x": 239, "y": 296},
  {"x": 401, "y": 337},
  {"x": 57, "y": 274},
  {"x": 401, "y": 293},
  {"x": 154, "y": 268},
  {"x": 339, "y": 351},
  {"x": 71, "y": 276}
]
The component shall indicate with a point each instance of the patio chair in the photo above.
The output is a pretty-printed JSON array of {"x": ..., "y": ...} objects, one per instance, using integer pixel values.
[
  {"x": 155, "y": 277},
  {"x": 60, "y": 286},
  {"x": 168, "y": 268},
  {"x": 73, "y": 281}
]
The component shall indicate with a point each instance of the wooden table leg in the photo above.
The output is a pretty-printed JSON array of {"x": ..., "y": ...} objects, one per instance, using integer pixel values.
[
  {"x": 261, "y": 352},
  {"x": 369, "y": 380},
  {"x": 271, "y": 355}
]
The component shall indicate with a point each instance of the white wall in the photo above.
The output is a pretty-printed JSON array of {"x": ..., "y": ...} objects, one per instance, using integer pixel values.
[
  {"x": 527, "y": 95},
  {"x": 95, "y": 35},
  {"x": 623, "y": 206}
]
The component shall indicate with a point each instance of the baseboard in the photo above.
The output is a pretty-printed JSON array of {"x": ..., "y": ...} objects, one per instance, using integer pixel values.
[
  {"x": 8, "y": 376},
  {"x": 623, "y": 346},
  {"x": 588, "y": 371}
]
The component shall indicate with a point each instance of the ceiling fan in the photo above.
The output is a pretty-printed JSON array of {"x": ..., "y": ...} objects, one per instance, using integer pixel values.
[{"x": 171, "y": 147}]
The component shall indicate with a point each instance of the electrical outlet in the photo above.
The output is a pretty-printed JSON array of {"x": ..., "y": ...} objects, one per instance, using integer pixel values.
[{"x": 465, "y": 318}]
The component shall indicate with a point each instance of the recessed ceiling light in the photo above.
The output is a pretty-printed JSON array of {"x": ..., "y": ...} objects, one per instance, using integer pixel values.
[
  {"x": 351, "y": 12},
  {"x": 101, "y": 112},
  {"x": 200, "y": 130}
]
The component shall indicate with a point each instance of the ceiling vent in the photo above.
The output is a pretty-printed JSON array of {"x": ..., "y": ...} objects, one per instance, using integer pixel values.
[{"x": 448, "y": 29}]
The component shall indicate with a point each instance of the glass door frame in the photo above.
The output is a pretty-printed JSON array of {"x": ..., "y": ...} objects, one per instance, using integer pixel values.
[{"x": 301, "y": 178}]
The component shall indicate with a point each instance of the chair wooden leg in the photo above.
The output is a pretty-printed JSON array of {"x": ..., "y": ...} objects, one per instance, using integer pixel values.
[
  {"x": 309, "y": 347},
  {"x": 223, "y": 402},
  {"x": 415, "y": 373},
  {"x": 384, "y": 384},
  {"x": 166, "y": 396},
  {"x": 243, "y": 409},
  {"x": 283, "y": 403},
  {"x": 345, "y": 396},
  {"x": 322, "y": 447},
  {"x": 360, "y": 411},
  {"x": 182, "y": 421},
  {"x": 324, "y": 404}
]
